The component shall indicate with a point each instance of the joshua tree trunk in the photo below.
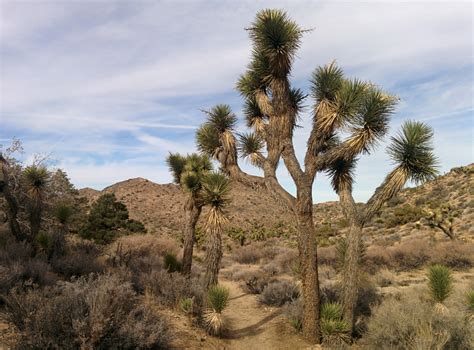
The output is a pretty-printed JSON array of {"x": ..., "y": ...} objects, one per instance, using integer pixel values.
[
  {"x": 309, "y": 263},
  {"x": 192, "y": 212},
  {"x": 213, "y": 258},
  {"x": 350, "y": 277},
  {"x": 12, "y": 205}
]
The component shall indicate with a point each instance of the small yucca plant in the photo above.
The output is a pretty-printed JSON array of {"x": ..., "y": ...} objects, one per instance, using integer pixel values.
[
  {"x": 218, "y": 298},
  {"x": 334, "y": 329},
  {"x": 440, "y": 283},
  {"x": 470, "y": 300},
  {"x": 186, "y": 305}
]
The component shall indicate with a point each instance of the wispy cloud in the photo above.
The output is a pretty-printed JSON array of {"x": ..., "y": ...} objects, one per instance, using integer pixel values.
[{"x": 103, "y": 84}]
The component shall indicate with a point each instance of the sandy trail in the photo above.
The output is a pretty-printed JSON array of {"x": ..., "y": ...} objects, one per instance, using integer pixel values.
[{"x": 253, "y": 326}]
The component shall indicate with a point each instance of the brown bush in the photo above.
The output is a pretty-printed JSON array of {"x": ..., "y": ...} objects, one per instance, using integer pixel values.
[
  {"x": 250, "y": 254},
  {"x": 327, "y": 256},
  {"x": 412, "y": 323},
  {"x": 99, "y": 312},
  {"x": 26, "y": 274},
  {"x": 82, "y": 258},
  {"x": 278, "y": 293},
  {"x": 170, "y": 288}
]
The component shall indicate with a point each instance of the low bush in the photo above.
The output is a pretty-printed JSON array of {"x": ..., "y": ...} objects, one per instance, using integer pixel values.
[
  {"x": 256, "y": 282},
  {"x": 294, "y": 312},
  {"x": 171, "y": 263},
  {"x": 278, "y": 293},
  {"x": 99, "y": 312},
  {"x": 26, "y": 274},
  {"x": 170, "y": 288},
  {"x": 411, "y": 323},
  {"x": 82, "y": 258}
]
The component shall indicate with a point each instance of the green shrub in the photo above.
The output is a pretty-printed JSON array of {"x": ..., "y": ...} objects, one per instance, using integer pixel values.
[
  {"x": 186, "y": 305},
  {"x": 171, "y": 263},
  {"x": 218, "y": 297},
  {"x": 108, "y": 219},
  {"x": 440, "y": 282}
]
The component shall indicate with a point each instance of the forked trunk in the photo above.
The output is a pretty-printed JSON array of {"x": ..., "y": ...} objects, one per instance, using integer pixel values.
[
  {"x": 191, "y": 214},
  {"x": 350, "y": 278},
  {"x": 12, "y": 214},
  {"x": 309, "y": 265},
  {"x": 213, "y": 258}
]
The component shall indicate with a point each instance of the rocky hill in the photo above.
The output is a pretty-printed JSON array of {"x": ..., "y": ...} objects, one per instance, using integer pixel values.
[{"x": 160, "y": 208}]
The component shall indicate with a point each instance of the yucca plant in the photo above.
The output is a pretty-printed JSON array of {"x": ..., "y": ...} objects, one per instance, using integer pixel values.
[
  {"x": 440, "y": 283},
  {"x": 186, "y": 305},
  {"x": 218, "y": 298},
  {"x": 36, "y": 180},
  {"x": 334, "y": 329},
  {"x": 189, "y": 172},
  {"x": 215, "y": 195},
  {"x": 350, "y": 117}
]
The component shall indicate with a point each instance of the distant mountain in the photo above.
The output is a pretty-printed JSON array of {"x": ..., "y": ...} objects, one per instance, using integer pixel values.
[{"x": 160, "y": 207}]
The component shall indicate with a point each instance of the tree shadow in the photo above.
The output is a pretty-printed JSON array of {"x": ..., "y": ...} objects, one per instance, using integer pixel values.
[
  {"x": 253, "y": 329},
  {"x": 238, "y": 296}
]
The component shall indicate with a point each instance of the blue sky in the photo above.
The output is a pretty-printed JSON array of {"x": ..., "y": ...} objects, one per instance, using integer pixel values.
[{"x": 108, "y": 88}]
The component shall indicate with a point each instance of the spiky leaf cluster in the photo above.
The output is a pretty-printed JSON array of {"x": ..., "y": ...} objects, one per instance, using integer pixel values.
[
  {"x": 36, "y": 179},
  {"x": 341, "y": 173},
  {"x": 440, "y": 282},
  {"x": 276, "y": 38},
  {"x": 250, "y": 147},
  {"x": 189, "y": 171},
  {"x": 216, "y": 188},
  {"x": 412, "y": 150}
]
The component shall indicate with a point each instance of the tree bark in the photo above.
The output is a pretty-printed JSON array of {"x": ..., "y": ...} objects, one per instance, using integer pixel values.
[
  {"x": 12, "y": 207},
  {"x": 191, "y": 214},
  {"x": 350, "y": 278},
  {"x": 213, "y": 258},
  {"x": 309, "y": 264}
]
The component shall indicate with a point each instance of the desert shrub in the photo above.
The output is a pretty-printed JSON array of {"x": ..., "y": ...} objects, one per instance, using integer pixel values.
[
  {"x": 440, "y": 283},
  {"x": 26, "y": 274},
  {"x": 403, "y": 215},
  {"x": 250, "y": 254},
  {"x": 108, "y": 219},
  {"x": 411, "y": 255},
  {"x": 238, "y": 235},
  {"x": 99, "y": 312},
  {"x": 294, "y": 312},
  {"x": 81, "y": 258},
  {"x": 278, "y": 293},
  {"x": 217, "y": 298},
  {"x": 170, "y": 288},
  {"x": 456, "y": 255},
  {"x": 327, "y": 256},
  {"x": 171, "y": 263},
  {"x": 411, "y": 323}
]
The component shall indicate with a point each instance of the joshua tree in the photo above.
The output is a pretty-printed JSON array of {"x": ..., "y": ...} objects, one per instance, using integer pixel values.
[
  {"x": 443, "y": 219},
  {"x": 36, "y": 179},
  {"x": 215, "y": 194},
  {"x": 12, "y": 202},
  {"x": 412, "y": 153},
  {"x": 189, "y": 172}
]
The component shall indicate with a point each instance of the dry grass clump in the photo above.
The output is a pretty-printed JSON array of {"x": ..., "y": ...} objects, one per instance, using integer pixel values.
[
  {"x": 256, "y": 252},
  {"x": 97, "y": 312},
  {"x": 278, "y": 293},
  {"x": 328, "y": 256},
  {"x": 416, "y": 253},
  {"x": 169, "y": 289},
  {"x": 411, "y": 323}
]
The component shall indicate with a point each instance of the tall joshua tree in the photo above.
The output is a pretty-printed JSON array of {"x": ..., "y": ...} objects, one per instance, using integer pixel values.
[
  {"x": 36, "y": 179},
  {"x": 356, "y": 110},
  {"x": 412, "y": 153},
  {"x": 189, "y": 172},
  {"x": 215, "y": 195}
]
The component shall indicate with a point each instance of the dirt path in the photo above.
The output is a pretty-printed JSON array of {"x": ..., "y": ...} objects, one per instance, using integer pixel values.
[{"x": 253, "y": 326}]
